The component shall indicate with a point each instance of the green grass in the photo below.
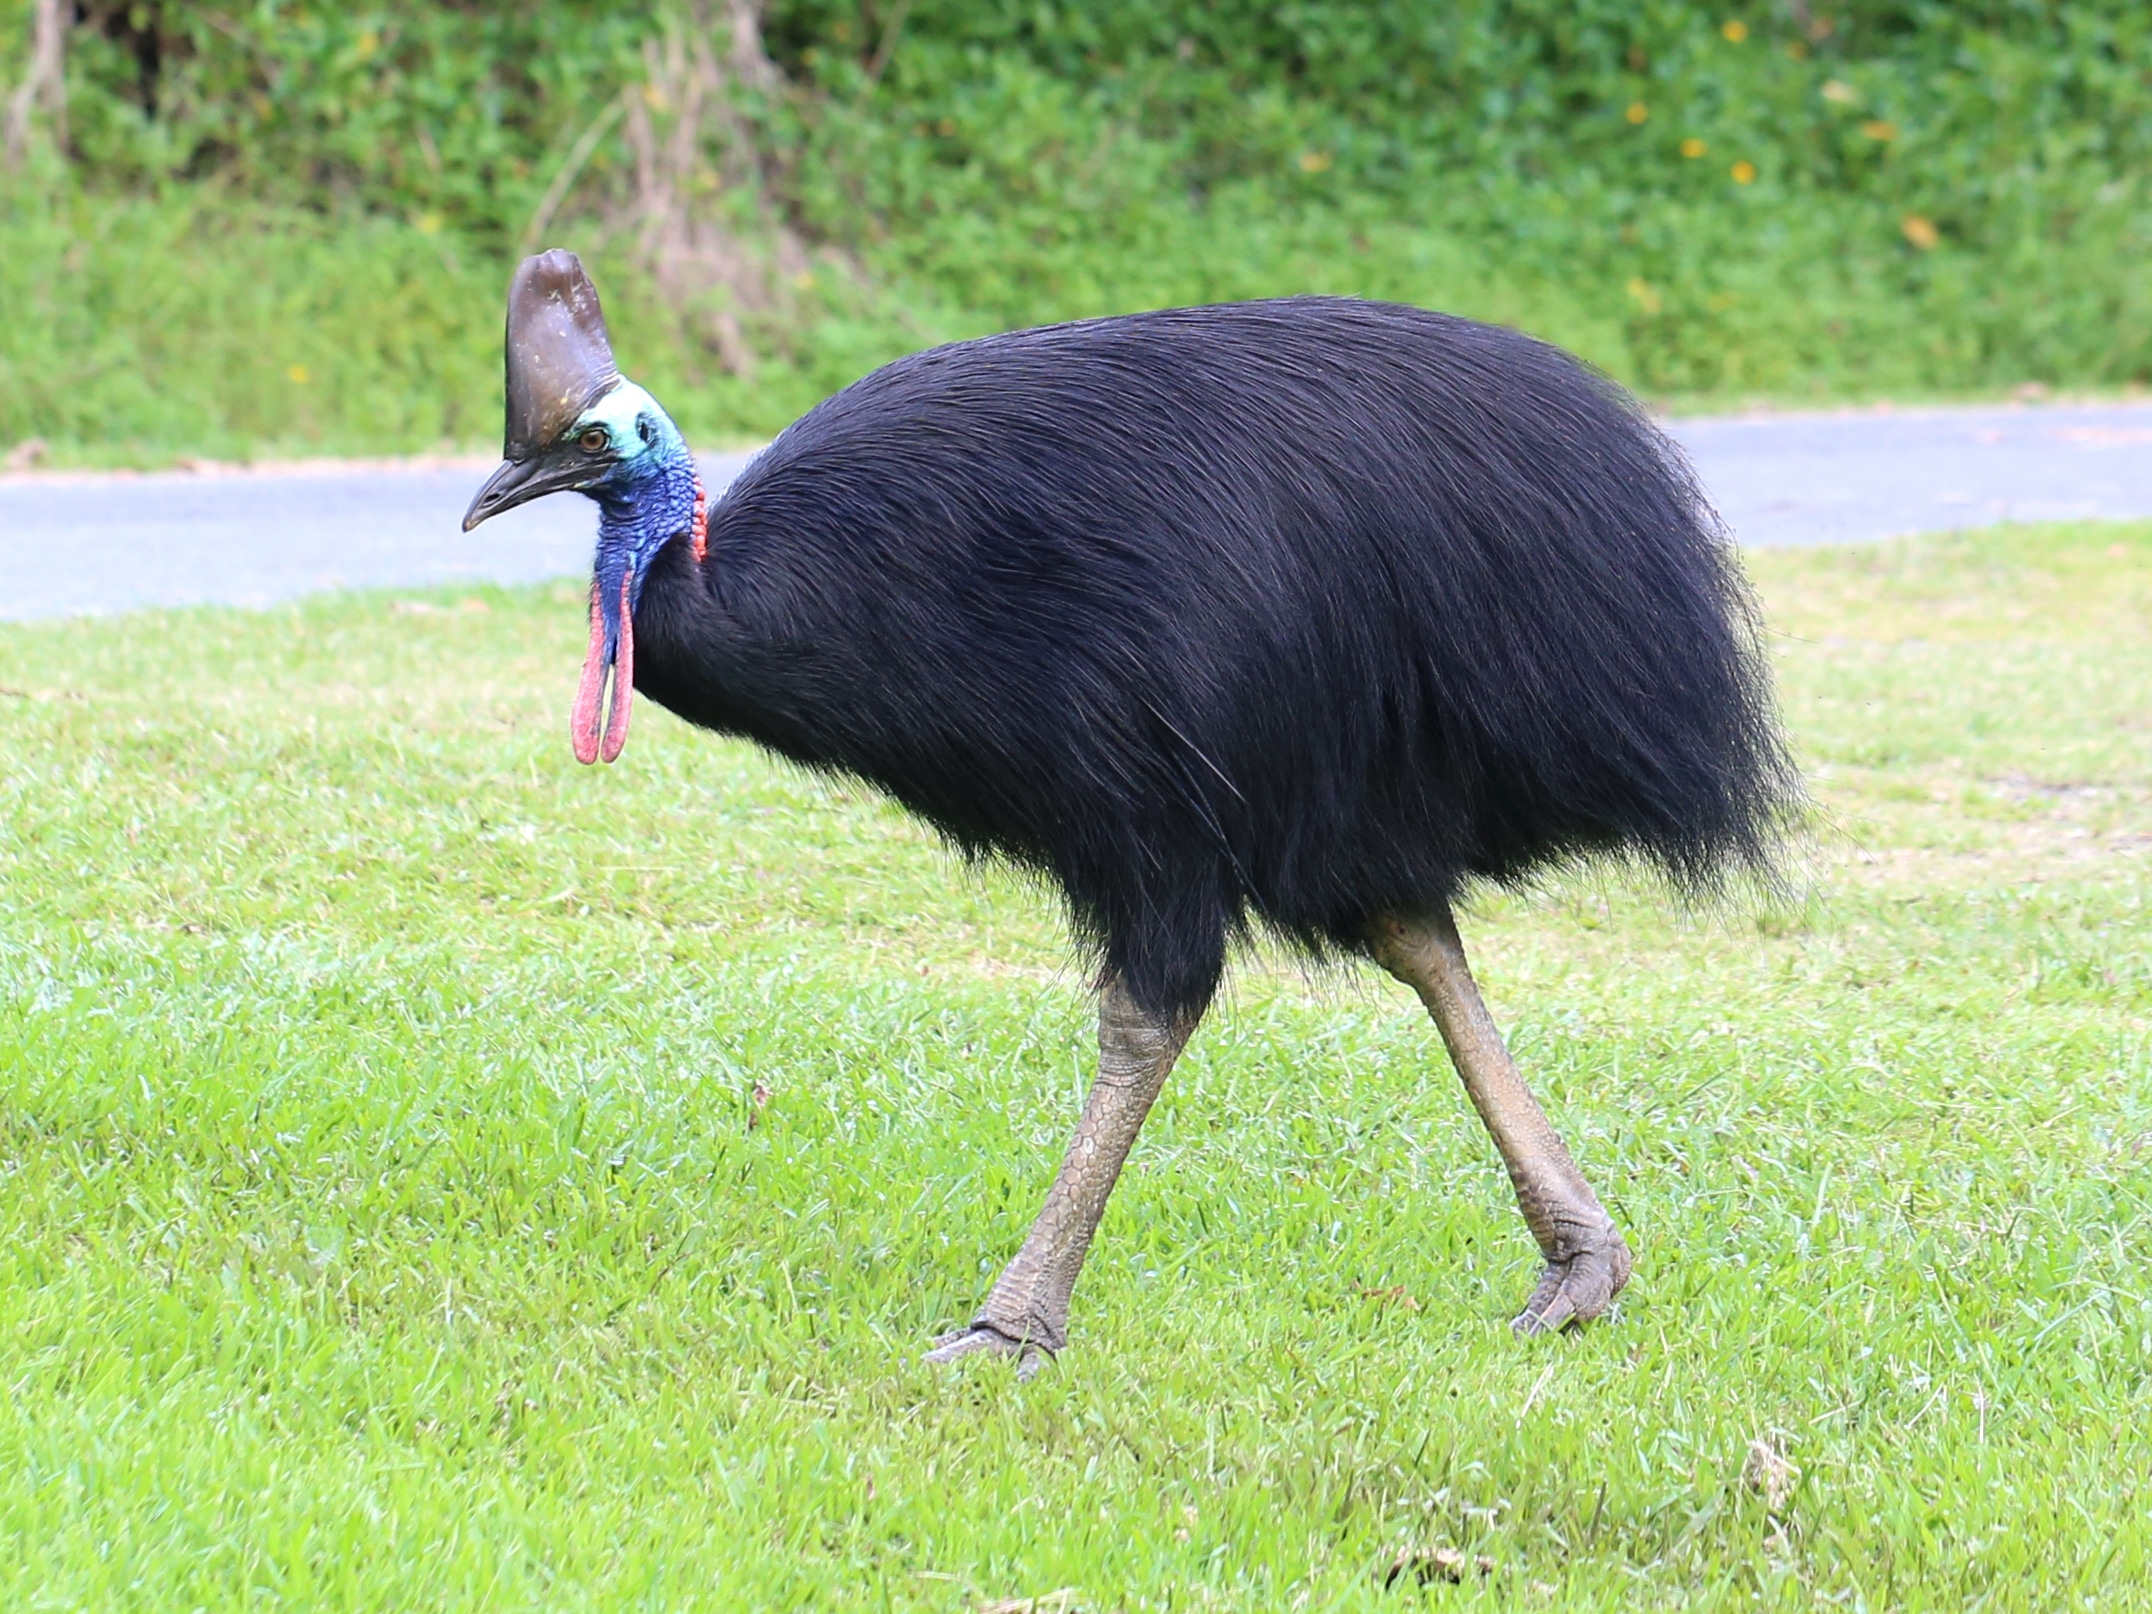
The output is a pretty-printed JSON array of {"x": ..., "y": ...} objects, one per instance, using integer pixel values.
[
  {"x": 149, "y": 329},
  {"x": 280, "y": 229},
  {"x": 388, "y": 1219}
]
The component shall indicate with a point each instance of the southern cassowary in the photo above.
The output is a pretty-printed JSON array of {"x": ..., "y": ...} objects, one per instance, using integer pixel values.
[{"x": 1301, "y": 615}]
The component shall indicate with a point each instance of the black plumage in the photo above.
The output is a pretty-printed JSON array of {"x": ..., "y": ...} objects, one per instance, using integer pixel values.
[{"x": 1291, "y": 613}]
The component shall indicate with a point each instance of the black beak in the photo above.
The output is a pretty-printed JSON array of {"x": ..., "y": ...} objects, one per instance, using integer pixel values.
[{"x": 520, "y": 481}]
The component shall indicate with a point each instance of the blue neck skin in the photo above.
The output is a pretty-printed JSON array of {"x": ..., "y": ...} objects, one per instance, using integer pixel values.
[{"x": 644, "y": 501}]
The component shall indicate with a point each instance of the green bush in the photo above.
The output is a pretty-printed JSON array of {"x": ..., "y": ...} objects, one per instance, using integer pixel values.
[{"x": 1900, "y": 197}]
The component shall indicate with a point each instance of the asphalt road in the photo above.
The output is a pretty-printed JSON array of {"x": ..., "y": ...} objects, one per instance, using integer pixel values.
[
  {"x": 71, "y": 544},
  {"x": 1842, "y": 479}
]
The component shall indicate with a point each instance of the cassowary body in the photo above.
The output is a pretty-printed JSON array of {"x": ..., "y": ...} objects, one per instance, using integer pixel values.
[{"x": 1301, "y": 615}]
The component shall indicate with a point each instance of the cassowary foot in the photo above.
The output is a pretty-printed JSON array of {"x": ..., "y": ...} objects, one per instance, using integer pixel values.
[
  {"x": 1579, "y": 1285},
  {"x": 1027, "y": 1315},
  {"x": 984, "y": 1337},
  {"x": 1587, "y": 1262}
]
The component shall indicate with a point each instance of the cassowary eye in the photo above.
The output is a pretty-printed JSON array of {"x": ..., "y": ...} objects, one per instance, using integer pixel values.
[{"x": 594, "y": 440}]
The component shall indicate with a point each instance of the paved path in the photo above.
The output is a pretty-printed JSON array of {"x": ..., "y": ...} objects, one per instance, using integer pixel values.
[
  {"x": 73, "y": 544},
  {"x": 111, "y": 543},
  {"x": 1841, "y": 479}
]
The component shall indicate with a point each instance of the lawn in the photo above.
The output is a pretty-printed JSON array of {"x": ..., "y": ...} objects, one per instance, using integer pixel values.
[{"x": 434, "y": 1175}]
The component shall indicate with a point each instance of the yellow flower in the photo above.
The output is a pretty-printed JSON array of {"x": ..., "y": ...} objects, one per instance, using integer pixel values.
[
  {"x": 297, "y": 372},
  {"x": 1880, "y": 129},
  {"x": 1921, "y": 232},
  {"x": 1735, "y": 31},
  {"x": 1837, "y": 89},
  {"x": 1637, "y": 112},
  {"x": 1314, "y": 162},
  {"x": 1693, "y": 147},
  {"x": 1744, "y": 173}
]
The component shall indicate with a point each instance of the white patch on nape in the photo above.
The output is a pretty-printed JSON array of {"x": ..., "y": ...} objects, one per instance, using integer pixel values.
[
  {"x": 623, "y": 401},
  {"x": 618, "y": 412}
]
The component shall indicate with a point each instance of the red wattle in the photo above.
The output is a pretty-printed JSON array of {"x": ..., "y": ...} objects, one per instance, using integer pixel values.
[
  {"x": 583, "y": 719},
  {"x": 616, "y": 727}
]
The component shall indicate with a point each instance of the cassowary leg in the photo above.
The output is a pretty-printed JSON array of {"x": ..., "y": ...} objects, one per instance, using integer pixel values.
[
  {"x": 1587, "y": 1262},
  {"x": 1027, "y": 1314}
]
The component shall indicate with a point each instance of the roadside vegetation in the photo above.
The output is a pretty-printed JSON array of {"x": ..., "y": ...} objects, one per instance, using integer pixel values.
[
  {"x": 284, "y": 228},
  {"x": 436, "y": 1175}
]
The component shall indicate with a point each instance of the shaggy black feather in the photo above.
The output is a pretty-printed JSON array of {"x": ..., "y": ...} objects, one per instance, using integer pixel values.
[{"x": 1295, "y": 612}]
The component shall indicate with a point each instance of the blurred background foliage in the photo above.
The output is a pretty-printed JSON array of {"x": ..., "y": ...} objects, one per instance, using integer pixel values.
[{"x": 278, "y": 226}]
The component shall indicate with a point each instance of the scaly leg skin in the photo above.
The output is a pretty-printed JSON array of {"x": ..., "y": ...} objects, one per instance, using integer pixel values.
[
  {"x": 1587, "y": 1262},
  {"x": 1027, "y": 1315}
]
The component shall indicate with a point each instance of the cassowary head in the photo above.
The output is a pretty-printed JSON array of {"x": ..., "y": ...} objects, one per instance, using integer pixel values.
[{"x": 576, "y": 423}]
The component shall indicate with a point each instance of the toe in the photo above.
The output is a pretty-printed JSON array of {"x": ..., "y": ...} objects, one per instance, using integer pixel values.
[
  {"x": 1532, "y": 1320},
  {"x": 1577, "y": 1289},
  {"x": 1546, "y": 1316},
  {"x": 985, "y": 1339},
  {"x": 971, "y": 1341}
]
